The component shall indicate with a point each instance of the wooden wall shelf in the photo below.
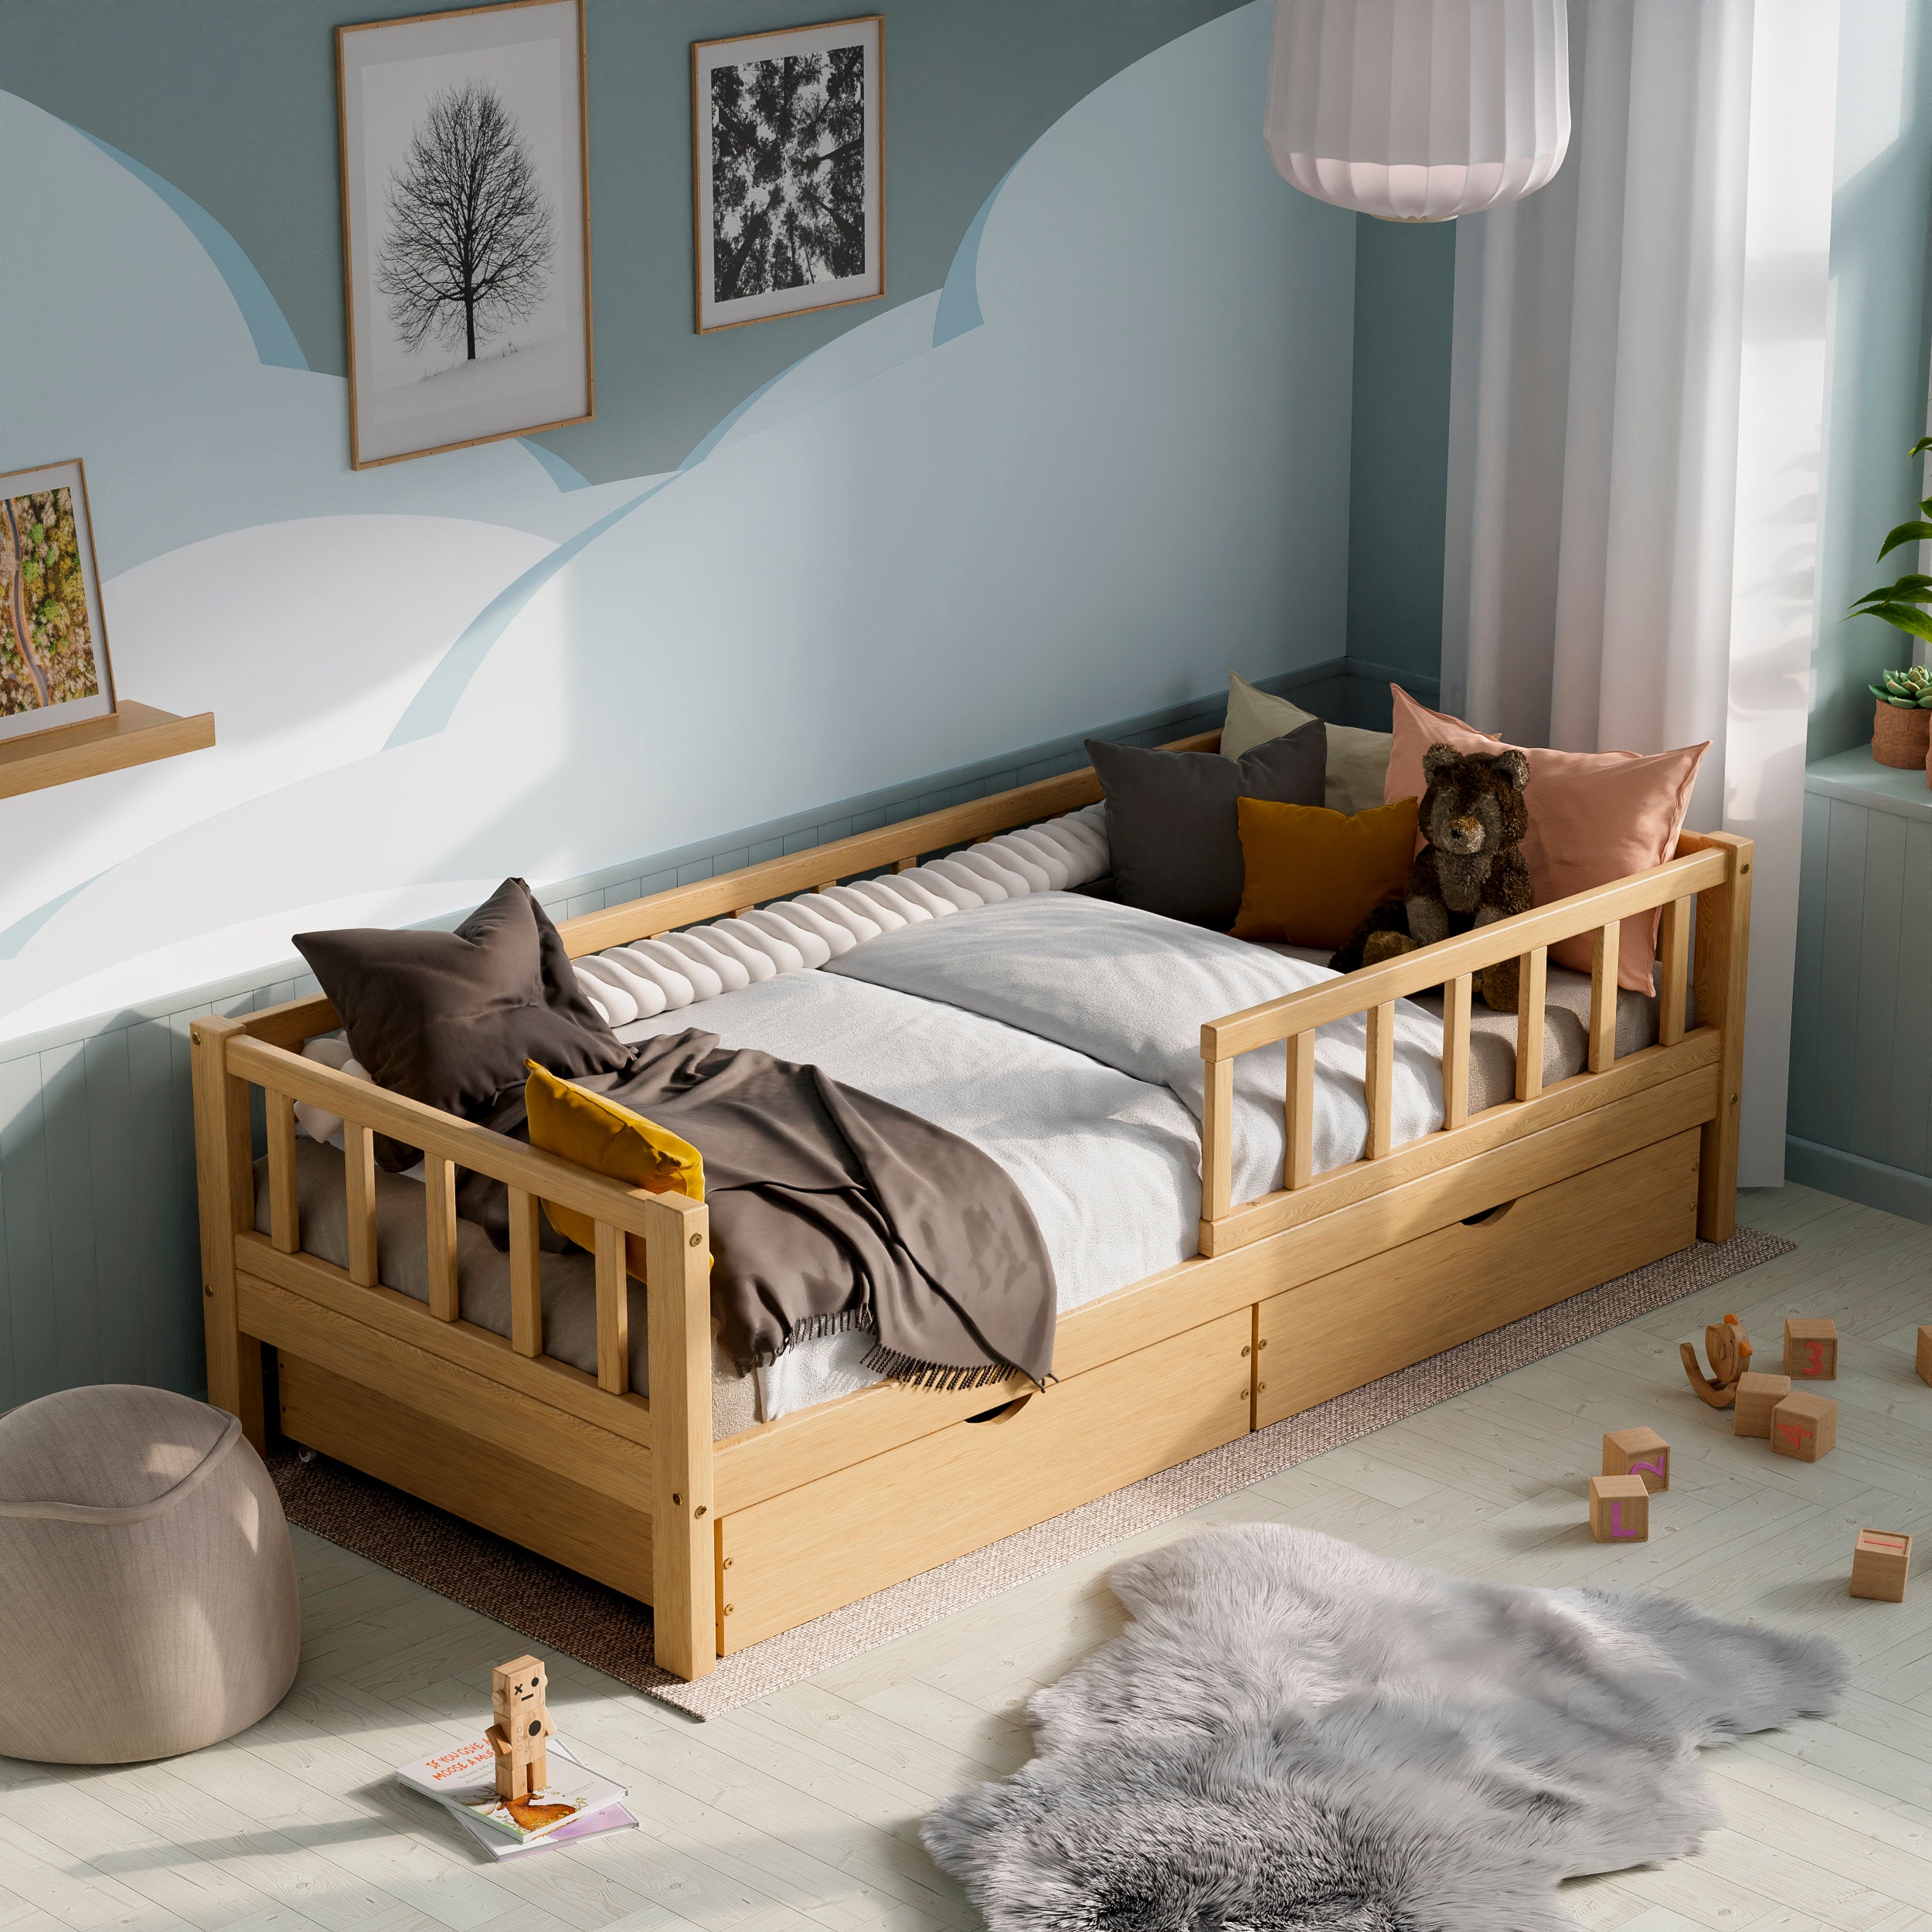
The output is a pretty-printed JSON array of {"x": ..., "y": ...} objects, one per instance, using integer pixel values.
[{"x": 136, "y": 734}]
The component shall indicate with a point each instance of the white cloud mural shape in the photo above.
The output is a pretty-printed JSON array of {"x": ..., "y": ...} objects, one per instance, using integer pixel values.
[{"x": 903, "y": 554}]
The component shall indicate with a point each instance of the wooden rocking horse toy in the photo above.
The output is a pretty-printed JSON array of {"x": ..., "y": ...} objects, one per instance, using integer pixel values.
[{"x": 1729, "y": 1349}]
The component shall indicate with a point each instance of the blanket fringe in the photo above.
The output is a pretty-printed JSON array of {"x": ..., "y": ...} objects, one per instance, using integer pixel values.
[
  {"x": 934, "y": 1375},
  {"x": 888, "y": 1362}
]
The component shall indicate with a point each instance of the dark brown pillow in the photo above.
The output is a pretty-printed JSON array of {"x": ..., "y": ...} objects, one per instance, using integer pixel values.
[
  {"x": 1172, "y": 825},
  {"x": 449, "y": 1019}
]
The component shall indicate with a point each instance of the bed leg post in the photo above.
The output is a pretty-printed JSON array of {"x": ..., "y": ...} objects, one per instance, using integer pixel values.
[
  {"x": 1723, "y": 962},
  {"x": 684, "y": 1605},
  {"x": 226, "y": 1187}
]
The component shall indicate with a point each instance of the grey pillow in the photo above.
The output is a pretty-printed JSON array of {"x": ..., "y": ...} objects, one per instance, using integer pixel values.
[{"x": 1171, "y": 824}]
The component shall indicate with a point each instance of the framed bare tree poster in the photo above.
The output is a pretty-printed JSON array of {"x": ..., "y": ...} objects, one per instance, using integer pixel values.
[
  {"x": 466, "y": 227},
  {"x": 788, "y": 168}
]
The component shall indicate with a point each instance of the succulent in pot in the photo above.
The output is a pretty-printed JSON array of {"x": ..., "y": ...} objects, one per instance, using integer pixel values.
[{"x": 1902, "y": 727}]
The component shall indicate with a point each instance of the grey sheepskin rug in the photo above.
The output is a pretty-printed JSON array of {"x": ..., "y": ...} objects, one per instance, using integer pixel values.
[{"x": 1292, "y": 1732}]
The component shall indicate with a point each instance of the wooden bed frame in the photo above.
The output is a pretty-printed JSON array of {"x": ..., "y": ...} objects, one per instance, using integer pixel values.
[{"x": 1302, "y": 1295}]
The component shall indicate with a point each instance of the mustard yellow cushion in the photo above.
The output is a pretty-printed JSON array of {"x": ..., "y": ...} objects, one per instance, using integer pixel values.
[
  {"x": 1315, "y": 875},
  {"x": 610, "y": 1140}
]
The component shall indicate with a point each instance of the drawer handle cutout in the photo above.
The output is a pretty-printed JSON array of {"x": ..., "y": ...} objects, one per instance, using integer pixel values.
[
  {"x": 1006, "y": 1412},
  {"x": 1489, "y": 1217}
]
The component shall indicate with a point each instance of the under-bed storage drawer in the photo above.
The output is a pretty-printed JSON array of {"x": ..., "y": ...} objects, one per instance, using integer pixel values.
[
  {"x": 796, "y": 1556},
  {"x": 1341, "y": 1330}
]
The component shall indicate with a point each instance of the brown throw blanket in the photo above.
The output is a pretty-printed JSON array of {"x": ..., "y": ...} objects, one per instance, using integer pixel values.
[{"x": 833, "y": 1210}]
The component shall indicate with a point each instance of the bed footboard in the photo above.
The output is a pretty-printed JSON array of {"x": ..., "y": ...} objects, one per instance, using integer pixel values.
[{"x": 648, "y": 1461}]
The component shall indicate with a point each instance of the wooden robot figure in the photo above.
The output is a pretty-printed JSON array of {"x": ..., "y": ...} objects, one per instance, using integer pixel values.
[
  {"x": 522, "y": 1724},
  {"x": 1729, "y": 1349}
]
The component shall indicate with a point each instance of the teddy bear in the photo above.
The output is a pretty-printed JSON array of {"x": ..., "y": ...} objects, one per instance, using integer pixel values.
[{"x": 1471, "y": 871}]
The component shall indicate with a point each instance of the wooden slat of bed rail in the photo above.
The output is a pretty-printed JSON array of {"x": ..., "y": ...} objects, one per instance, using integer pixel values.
[
  {"x": 809, "y": 870},
  {"x": 1603, "y": 996},
  {"x": 1298, "y": 1161},
  {"x": 458, "y": 1139},
  {"x": 1410, "y": 973},
  {"x": 284, "y": 1208},
  {"x": 613, "y": 1311},
  {"x": 1673, "y": 939},
  {"x": 1532, "y": 986},
  {"x": 1378, "y": 1078},
  {"x": 1495, "y": 1127},
  {"x": 526, "y": 1276},
  {"x": 359, "y": 1163},
  {"x": 1457, "y": 996},
  {"x": 1217, "y": 1140},
  {"x": 439, "y": 1202},
  {"x": 684, "y": 1516}
]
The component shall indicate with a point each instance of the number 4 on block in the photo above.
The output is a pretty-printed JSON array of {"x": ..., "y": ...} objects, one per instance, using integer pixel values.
[
  {"x": 1805, "y": 1427},
  {"x": 1619, "y": 1509}
]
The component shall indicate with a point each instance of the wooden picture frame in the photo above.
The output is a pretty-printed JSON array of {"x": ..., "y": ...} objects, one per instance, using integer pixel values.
[
  {"x": 804, "y": 266},
  {"x": 55, "y": 670},
  {"x": 445, "y": 351}
]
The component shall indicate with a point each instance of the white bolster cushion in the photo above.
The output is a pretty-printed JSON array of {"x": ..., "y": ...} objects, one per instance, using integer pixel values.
[
  {"x": 953, "y": 882},
  {"x": 1051, "y": 860},
  {"x": 785, "y": 957},
  {"x": 902, "y": 905},
  {"x": 879, "y": 910},
  {"x": 860, "y": 925},
  {"x": 811, "y": 945},
  {"x": 647, "y": 992},
  {"x": 838, "y": 937},
  {"x": 758, "y": 965},
  {"x": 317, "y": 1123},
  {"x": 730, "y": 973},
  {"x": 603, "y": 988},
  {"x": 977, "y": 865},
  {"x": 1008, "y": 853},
  {"x": 675, "y": 986},
  {"x": 913, "y": 891},
  {"x": 705, "y": 984}
]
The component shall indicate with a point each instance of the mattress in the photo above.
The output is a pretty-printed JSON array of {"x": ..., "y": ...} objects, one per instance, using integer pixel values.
[{"x": 1108, "y": 1163}]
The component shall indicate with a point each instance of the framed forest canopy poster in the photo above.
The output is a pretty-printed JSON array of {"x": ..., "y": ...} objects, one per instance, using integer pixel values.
[
  {"x": 466, "y": 227},
  {"x": 53, "y": 645},
  {"x": 788, "y": 171}
]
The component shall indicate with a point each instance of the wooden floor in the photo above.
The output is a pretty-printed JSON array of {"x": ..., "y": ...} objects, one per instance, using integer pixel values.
[{"x": 803, "y": 1811}]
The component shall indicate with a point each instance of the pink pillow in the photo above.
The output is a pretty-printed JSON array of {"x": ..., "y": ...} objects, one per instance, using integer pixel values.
[{"x": 1593, "y": 816}]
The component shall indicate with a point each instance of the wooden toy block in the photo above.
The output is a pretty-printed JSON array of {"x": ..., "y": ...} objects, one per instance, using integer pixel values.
[
  {"x": 1805, "y": 1427},
  {"x": 1638, "y": 1452},
  {"x": 1619, "y": 1509},
  {"x": 1757, "y": 1395},
  {"x": 1880, "y": 1560},
  {"x": 1729, "y": 1349},
  {"x": 1925, "y": 1354},
  {"x": 1810, "y": 1350},
  {"x": 518, "y": 1737}
]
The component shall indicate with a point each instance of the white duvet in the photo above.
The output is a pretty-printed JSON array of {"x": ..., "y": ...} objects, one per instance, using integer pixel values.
[{"x": 1061, "y": 1034}]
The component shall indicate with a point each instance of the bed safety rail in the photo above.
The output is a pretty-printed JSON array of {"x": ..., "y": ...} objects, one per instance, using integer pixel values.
[
  {"x": 1711, "y": 870},
  {"x": 671, "y": 1429}
]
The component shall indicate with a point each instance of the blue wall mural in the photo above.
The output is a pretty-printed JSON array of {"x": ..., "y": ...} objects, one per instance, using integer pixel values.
[{"x": 1105, "y": 462}]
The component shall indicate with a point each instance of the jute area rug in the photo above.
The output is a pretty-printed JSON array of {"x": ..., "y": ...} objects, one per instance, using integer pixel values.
[{"x": 560, "y": 1610}]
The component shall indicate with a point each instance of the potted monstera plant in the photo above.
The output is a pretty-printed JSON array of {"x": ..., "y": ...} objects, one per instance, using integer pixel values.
[{"x": 1902, "y": 726}]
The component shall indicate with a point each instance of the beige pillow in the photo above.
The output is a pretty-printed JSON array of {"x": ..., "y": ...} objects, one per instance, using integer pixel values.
[{"x": 1358, "y": 760}]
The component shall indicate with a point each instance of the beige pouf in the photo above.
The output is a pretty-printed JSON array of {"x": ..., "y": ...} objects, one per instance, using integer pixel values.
[{"x": 148, "y": 1601}]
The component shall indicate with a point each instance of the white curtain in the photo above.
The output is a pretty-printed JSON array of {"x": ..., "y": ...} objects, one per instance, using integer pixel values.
[{"x": 1635, "y": 427}]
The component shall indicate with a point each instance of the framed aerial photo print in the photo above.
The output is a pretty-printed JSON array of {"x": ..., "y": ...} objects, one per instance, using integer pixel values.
[
  {"x": 789, "y": 171},
  {"x": 466, "y": 227},
  {"x": 54, "y": 646}
]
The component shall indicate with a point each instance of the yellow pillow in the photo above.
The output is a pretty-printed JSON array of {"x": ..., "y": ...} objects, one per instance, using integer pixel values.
[
  {"x": 609, "y": 1139},
  {"x": 1314, "y": 876}
]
